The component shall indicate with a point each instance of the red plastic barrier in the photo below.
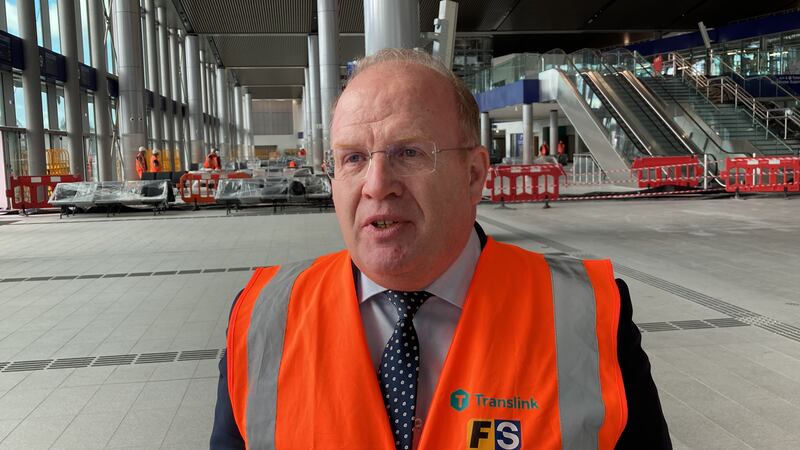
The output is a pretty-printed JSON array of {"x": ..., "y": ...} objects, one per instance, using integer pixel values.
[
  {"x": 528, "y": 183},
  {"x": 780, "y": 174},
  {"x": 656, "y": 171},
  {"x": 33, "y": 192},
  {"x": 199, "y": 188}
]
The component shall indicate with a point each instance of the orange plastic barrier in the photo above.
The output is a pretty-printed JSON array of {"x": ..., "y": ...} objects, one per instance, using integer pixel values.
[
  {"x": 656, "y": 171},
  {"x": 763, "y": 174},
  {"x": 524, "y": 183},
  {"x": 199, "y": 188},
  {"x": 33, "y": 192}
]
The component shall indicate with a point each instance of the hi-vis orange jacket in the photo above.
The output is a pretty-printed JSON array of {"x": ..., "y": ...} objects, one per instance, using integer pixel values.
[{"x": 533, "y": 362}]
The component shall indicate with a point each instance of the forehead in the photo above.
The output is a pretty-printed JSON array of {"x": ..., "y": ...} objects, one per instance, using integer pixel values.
[{"x": 396, "y": 98}]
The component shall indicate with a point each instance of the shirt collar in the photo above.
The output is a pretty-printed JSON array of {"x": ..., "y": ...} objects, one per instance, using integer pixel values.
[{"x": 451, "y": 286}]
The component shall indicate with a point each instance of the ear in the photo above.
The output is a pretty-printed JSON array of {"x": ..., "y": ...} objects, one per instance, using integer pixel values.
[{"x": 478, "y": 161}]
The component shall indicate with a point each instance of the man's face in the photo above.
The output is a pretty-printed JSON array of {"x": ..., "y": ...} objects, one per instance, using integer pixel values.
[{"x": 430, "y": 215}]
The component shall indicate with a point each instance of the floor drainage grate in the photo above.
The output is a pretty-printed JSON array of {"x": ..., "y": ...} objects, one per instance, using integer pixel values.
[
  {"x": 113, "y": 360},
  {"x": 26, "y": 366},
  {"x": 71, "y": 363},
  {"x": 150, "y": 358},
  {"x": 657, "y": 326},
  {"x": 691, "y": 324},
  {"x": 196, "y": 355},
  {"x": 110, "y": 360},
  {"x": 726, "y": 322},
  {"x": 130, "y": 275}
]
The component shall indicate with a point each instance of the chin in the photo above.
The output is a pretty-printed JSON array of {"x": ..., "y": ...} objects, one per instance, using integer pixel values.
[{"x": 385, "y": 262}]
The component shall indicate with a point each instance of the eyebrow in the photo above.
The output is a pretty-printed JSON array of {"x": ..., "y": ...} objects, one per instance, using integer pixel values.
[{"x": 420, "y": 137}]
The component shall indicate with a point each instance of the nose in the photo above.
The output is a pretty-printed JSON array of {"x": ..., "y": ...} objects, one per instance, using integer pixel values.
[{"x": 380, "y": 181}]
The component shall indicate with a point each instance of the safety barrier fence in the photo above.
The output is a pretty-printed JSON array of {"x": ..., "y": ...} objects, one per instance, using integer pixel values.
[
  {"x": 28, "y": 192},
  {"x": 525, "y": 183},
  {"x": 200, "y": 188},
  {"x": 685, "y": 174}
]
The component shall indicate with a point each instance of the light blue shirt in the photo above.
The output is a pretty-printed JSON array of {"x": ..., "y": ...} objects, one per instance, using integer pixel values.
[{"x": 435, "y": 321}]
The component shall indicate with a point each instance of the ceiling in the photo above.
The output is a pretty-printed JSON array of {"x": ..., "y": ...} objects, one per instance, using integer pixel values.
[{"x": 264, "y": 42}]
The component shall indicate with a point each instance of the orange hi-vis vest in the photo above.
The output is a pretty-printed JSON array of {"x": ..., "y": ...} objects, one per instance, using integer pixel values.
[{"x": 533, "y": 361}]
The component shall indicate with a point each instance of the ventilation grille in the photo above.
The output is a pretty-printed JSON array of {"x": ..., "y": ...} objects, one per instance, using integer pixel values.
[{"x": 110, "y": 360}]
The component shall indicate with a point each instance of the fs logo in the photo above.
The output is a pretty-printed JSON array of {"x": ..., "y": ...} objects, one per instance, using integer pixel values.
[
  {"x": 459, "y": 400},
  {"x": 497, "y": 434}
]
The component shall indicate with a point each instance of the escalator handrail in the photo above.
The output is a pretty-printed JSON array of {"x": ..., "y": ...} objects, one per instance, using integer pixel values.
[
  {"x": 640, "y": 61},
  {"x": 663, "y": 119},
  {"x": 618, "y": 116}
]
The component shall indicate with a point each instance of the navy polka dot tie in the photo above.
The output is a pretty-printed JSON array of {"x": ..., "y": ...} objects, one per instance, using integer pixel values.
[{"x": 400, "y": 366}]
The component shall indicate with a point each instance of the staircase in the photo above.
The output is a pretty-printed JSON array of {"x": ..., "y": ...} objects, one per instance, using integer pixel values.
[{"x": 728, "y": 122}]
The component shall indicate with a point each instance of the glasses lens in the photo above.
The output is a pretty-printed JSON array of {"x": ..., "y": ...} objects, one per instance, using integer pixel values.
[
  {"x": 348, "y": 163},
  {"x": 412, "y": 158}
]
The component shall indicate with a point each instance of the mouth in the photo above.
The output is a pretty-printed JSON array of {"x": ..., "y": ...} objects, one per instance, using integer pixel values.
[{"x": 383, "y": 224}]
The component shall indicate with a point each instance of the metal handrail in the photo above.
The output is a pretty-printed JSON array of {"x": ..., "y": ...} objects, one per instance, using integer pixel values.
[
  {"x": 726, "y": 85},
  {"x": 608, "y": 102},
  {"x": 777, "y": 85}
]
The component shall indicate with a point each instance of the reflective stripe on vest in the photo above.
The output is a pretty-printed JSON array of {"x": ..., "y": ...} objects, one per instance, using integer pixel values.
[
  {"x": 579, "y": 398},
  {"x": 585, "y": 388}
]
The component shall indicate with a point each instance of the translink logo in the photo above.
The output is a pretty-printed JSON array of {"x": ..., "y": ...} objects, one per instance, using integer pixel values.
[{"x": 460, "y": 399}]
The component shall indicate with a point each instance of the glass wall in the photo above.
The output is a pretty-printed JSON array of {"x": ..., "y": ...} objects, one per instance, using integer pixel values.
[
  {"x": 12, "y": 17},
  {"x": 775, "y": 54}
]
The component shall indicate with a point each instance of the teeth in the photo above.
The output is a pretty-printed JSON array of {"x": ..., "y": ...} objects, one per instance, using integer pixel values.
[{"x": 383, "y": 223}]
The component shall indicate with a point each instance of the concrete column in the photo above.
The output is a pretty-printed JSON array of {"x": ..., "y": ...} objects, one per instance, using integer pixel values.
[
  {"x": 486, "y": 130},
  {"x": 237, "y": 113},
  {"x": 328, "y": 63},
  {"x": 128, "y": 36},
  {"x": 578, "y": 145},
  {"x": 248, "y": 121},
  {"x": 175, "y": 73},
  {"x": 212, "y": 95},
  {"x": 184, "y": 100},
  {"x": 223, "y": 113},
  {"x": 153, "y": 81},
  {"x": 32, "y": 88},
  {"x": 527, "y": 133},
  {"x": 307, "y": 141},
  {"x": 72, "y": 89},
  {"x": 553, "y": 131},
  {"x": 102, "y": 103},
  {"x": 390, "y": 24},
  {"x": 203, "y": 96},
  {"x": 166, "y": 85},
  {"x": 194, "y": 97},
  {"x": 316, "y": 113}
]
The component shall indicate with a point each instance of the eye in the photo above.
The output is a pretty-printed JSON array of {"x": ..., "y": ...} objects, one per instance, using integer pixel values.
[{"x": 354, "y": 158}]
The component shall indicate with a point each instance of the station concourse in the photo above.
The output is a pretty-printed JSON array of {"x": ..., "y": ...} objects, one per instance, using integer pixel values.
[{"x": 665, "y": 138}]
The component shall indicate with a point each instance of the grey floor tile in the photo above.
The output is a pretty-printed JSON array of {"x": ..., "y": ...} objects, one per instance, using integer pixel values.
[
  {"x": 6, "y": 426},
  {"x": 111, "y": 398},
  {"x": 36, "y": 433},
  {"x": 191, "y": 425},
  {"x": 179, "y": 370},
  {"x": 89, "y": 431},
  {"x": 201, "y": 393},
  {"x": 18, "y": 403},
  {"x": 65, "y": 401},
  {"x": 161, "y": 395},
  {"x": 88, "y": 376},
  {"x": 143, "y": 428},
  {"x": 131, "y": 373},
  {"x": 44, "y": 379}
]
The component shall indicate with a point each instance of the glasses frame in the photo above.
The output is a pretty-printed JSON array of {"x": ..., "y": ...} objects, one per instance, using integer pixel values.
[{"x": 330, "y": 166}]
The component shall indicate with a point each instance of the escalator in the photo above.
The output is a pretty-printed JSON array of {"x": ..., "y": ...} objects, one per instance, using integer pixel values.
[{"x": 617, "y": 118}]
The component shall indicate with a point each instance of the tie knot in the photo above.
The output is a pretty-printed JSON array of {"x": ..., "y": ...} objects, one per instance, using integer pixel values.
[{"x": 407, "y": 303}]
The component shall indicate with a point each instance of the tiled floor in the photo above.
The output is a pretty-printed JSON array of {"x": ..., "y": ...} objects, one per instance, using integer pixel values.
[{"x": 135, "y": 284}]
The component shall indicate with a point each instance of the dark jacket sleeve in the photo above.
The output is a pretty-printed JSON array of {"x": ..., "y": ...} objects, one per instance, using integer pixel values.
[
  {"x": 225, "y": 434},
  {"x": 646, "y": 427}
]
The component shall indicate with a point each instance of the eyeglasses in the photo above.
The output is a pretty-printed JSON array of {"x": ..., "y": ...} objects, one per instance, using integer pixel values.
[{"x": 405, "y": 159}]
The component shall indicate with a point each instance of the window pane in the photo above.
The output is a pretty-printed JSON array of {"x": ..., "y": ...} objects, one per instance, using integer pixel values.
[
  {"x": 45, "y": 115},
  {"x": 55, "y": 29},
  {"x": 19, "y": 102},
  {"x": 90, "y": 108},
  {"x": 87, "y": 54},
  {"x": 12, "y": 17},
  {"x": 38, "y": 8},
  {"x": 60, "y": 106}
]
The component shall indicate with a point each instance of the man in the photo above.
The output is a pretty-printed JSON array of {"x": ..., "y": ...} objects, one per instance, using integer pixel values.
[
  {"x": 141, "y": 162},
  {"x": 212, "y": 160},
  {"x": 561, "y": 151},
  {"x": 155, "y": 164},
  {"x": 425, "y": 333}
]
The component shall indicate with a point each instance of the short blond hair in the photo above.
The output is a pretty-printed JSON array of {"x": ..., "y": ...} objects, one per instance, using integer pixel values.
[{"x": 466, "y": 106}]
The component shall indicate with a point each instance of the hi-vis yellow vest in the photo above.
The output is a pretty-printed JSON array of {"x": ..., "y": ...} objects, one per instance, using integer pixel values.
[{"x": 533, "y": 362}]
